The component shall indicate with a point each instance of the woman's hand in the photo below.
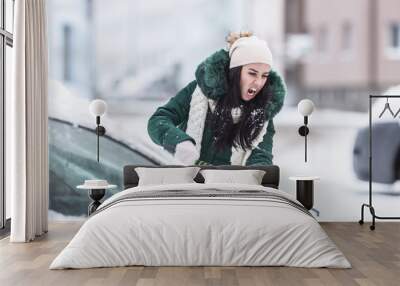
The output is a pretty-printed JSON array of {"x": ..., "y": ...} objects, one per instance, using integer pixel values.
[{"x": 186, "y": 153}]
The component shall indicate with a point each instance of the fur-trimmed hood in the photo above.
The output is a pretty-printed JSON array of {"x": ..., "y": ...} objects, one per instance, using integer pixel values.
[{"x": 212, "y": 78}]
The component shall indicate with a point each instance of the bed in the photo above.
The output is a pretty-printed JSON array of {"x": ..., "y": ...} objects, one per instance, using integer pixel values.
[{"x": 201, "y": 224}]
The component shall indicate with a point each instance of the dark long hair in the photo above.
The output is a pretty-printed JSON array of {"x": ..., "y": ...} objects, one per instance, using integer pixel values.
[{"x": 252, "y": 119}]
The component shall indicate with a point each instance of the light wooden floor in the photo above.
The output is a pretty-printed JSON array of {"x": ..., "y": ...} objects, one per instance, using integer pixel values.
[{"x": 375, "y": 257}]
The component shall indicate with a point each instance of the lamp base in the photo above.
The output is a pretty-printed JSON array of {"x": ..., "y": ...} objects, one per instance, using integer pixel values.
[
  {"x": 303, "y": 130},
  {"x": 100, "y": 130},
  {"x": 96, "y": 195}
]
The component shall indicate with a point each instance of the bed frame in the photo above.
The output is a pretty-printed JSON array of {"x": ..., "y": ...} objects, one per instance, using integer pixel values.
[{"x": 271, "y": 177}]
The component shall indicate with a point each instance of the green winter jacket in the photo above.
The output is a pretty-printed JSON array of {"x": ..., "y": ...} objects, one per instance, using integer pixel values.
[{"x": 167, "y": 125}]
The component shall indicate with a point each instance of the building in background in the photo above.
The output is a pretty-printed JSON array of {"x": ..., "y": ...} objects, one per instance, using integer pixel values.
[
  {"x": 266, "y": 19},
  {"x": 70, "y": 46},
  {"x": 148, "y": 50},
  {"x": 353, "y": 50}
]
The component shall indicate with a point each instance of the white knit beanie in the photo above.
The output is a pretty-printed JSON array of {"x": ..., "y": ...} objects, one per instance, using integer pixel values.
[{"x": 248, "y": 50}]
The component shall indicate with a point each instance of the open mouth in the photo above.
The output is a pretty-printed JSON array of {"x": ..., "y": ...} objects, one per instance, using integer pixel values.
[{"x": 252, "y": 91}]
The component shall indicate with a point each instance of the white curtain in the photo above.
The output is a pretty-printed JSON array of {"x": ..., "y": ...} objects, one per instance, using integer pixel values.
[{"x": 26, "y": 123}]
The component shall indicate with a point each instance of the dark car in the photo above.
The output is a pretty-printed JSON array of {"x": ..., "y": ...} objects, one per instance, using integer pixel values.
[
  {"x": 385, "y": 153},
  {"x": 72, "y": 159}
]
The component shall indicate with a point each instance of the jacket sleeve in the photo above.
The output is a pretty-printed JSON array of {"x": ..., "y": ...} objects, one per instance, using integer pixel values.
[
  {"x": 262, "y": 154},
  {"x": 164, "y": 125}
]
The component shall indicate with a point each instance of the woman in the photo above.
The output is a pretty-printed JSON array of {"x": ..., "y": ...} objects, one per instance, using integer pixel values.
[{"x": 224, "y": 117}]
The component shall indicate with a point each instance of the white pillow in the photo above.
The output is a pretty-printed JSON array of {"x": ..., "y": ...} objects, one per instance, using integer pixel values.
[
  {"x": 248, "y": 177},
  {"x": 165, "y": 176}
]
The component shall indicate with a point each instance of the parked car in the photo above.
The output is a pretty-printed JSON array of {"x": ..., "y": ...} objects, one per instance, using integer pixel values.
[
  {"x": 73, "y": 158},
  {"x": 385, "y": 136}
]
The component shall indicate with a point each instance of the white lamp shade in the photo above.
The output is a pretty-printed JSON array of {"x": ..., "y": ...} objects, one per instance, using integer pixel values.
[
  {"x": 98, "y": 107},
  {"x": 305, "y": 107}
]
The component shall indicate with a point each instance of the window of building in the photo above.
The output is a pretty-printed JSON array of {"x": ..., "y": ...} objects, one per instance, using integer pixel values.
[
  {"x": 393, "y": 43},
  {"x": 322, "y": 39},
  {"x": 67, "y": 52},
  {"x": 347, "y": 37},
  {"x": 395, "y": 35}
]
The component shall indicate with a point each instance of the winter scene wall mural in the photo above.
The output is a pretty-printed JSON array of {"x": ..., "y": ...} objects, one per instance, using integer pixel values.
[{"x": 176, "y": 93}]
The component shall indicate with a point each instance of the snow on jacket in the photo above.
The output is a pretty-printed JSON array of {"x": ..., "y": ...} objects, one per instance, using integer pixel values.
[{"x": 187, "y": 116}]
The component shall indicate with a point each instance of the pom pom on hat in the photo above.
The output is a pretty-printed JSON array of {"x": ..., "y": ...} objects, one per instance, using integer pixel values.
[{"x": 248, "y": 50}]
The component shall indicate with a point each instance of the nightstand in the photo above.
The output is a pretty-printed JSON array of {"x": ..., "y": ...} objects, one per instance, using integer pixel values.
[
  {"x": 305, "y": 190},
  {"x": 96, "y": 191}
]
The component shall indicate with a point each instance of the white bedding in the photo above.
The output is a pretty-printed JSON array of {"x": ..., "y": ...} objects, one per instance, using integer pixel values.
[{"x": 186, "y": 230}]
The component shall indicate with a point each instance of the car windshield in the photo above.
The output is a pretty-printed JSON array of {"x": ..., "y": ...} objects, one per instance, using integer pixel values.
[{"x": 73, "y": 158}]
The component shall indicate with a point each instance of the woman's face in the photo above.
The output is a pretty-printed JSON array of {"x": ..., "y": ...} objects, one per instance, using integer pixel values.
[{"x": 252, "y": 79}]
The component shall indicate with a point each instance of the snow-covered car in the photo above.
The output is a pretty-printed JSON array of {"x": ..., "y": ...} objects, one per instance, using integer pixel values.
[{"x": 73, "y": 158}]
